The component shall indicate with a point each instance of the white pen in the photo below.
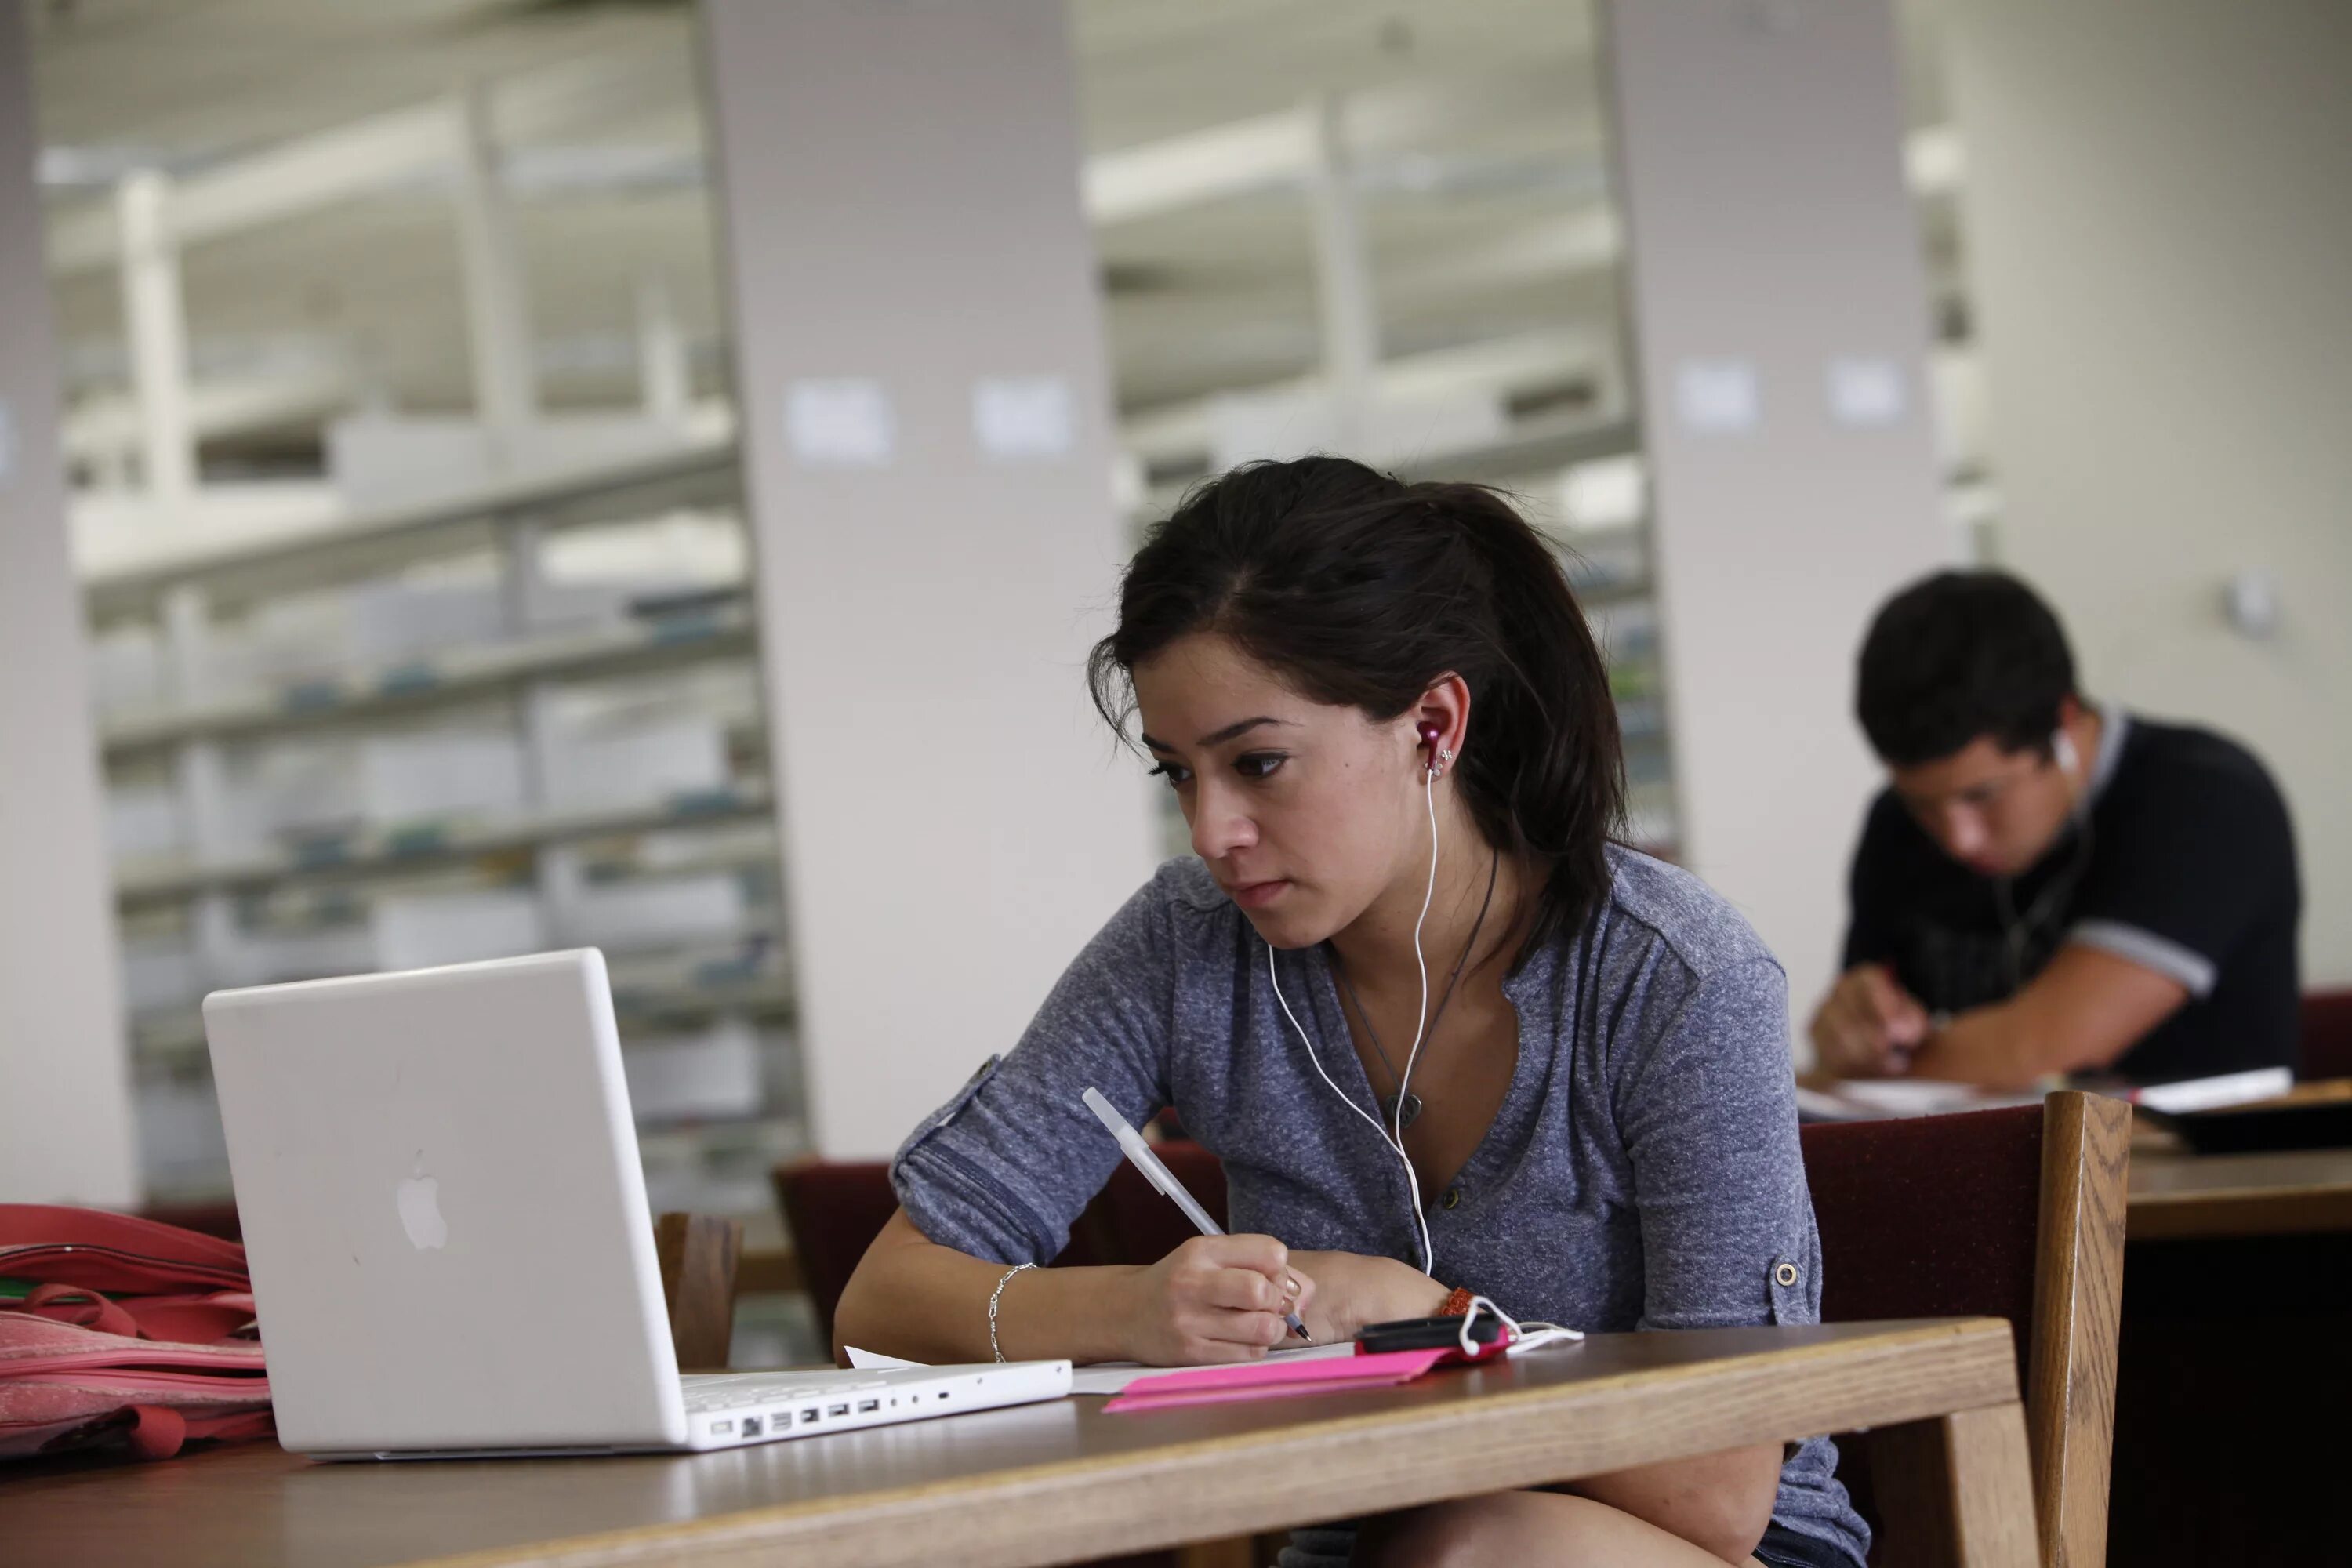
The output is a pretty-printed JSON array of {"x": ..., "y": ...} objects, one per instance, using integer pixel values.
[{"x": 1138, "y": 1154}]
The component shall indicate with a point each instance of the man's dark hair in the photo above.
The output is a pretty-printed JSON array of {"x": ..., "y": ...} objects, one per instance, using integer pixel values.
[
  {"x": 1361, "y": 590},
  {"x": 1958, "y": 655}
]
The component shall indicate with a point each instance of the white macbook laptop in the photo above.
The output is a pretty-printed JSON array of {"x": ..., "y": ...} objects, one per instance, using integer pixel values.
[{"x": 438, "y": 1177}]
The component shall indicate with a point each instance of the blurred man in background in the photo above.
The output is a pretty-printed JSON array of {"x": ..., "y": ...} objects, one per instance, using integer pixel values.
[{"x": 2049, "y": 886}]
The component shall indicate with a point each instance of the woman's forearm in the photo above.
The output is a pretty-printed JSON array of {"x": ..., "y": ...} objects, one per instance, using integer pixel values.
[{"x": 921, "y": 1301}]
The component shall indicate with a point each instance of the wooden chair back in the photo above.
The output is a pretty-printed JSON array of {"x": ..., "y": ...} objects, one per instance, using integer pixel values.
[
  {"x": 2015, "y": 1214},
  {"x": 699, "y": 1255}
]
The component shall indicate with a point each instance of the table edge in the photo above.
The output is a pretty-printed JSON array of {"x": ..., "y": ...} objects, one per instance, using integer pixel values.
[
  {"x": 2238, "y": 1211},
  {"x": 1974, "y": 1353}
]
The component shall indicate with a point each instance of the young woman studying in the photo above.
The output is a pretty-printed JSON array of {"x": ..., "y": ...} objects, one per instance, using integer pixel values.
[{"x": 1441, "y": 1030}]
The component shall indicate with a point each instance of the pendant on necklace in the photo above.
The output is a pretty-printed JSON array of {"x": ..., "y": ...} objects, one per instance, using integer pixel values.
[{"x": 1412, "y": 1109}]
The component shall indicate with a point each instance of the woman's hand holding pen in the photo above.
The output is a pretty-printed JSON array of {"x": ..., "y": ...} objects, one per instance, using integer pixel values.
[
  {"x": 1353, "y": 1290},
  {"x": 1215, "y": 1298}
]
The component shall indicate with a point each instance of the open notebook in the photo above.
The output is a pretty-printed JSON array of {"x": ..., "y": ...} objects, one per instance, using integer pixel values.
[
  {"x": 1870, "y": 1099},
  {"x": 1112, "y": 1377}
]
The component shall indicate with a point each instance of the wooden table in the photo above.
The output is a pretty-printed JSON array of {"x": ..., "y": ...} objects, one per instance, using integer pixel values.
[
  {"x": 1050, "y": 1483},
  {"x": 2176, "y": 1195}
]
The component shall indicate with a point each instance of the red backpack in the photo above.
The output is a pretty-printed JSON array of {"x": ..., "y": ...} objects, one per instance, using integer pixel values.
[{"x": 116, "y": 1330}]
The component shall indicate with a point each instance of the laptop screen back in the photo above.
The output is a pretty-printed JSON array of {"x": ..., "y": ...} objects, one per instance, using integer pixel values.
[{"x": 438, "y": 1177}]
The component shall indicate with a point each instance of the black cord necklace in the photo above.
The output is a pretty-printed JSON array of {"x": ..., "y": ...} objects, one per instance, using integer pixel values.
[{"x": 1409, "y": 1112}]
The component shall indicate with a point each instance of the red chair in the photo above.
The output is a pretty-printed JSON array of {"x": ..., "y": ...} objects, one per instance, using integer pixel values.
[
  {"x": 1130, "y": 1222},
  {"x": 832, "y": 1213},
  {"x": 2006, "y": 1214},
  {"x": 2327, "y": 1035}
]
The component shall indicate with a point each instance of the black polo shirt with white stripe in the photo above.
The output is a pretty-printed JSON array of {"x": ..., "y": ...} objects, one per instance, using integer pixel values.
[{"x": 2183, "y": 864}]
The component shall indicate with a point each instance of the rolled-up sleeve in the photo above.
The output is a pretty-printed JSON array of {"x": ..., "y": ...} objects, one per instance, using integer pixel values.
[
  {"x": 1004, "y": 1168},
  {"x": 1707, "y": 1105}
]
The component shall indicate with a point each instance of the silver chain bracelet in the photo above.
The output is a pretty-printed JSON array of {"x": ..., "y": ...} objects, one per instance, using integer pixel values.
[{"x": 993, "y": 1297}]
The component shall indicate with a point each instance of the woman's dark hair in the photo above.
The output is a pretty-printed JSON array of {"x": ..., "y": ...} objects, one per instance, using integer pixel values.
[
  {"x": 1358, "y": 589},
  {"x": 1956, "y": 655}
]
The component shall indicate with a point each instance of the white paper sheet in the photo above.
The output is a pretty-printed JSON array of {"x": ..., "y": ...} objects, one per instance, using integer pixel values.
[{"x": 1111, "y": 1376}]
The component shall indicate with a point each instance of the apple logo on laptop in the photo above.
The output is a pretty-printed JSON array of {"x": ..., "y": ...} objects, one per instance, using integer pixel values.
[{"x": 419, "y": 1198}]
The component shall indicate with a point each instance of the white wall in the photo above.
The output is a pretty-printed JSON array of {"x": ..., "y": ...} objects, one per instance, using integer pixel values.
[
  {"x": 1771, "y": 232},
  {"x": 65, "y": 1105},
  {"x": 2158, "y": 237},
  {"x": 901, "y": 192}
]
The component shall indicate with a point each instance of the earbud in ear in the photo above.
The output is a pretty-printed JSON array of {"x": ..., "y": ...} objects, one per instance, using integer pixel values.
[
  {"x": 1431, "y": 733},
  {"x": 2061, "y": 749}
]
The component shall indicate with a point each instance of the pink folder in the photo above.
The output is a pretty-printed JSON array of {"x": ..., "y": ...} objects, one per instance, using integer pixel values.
[{"x": 1275, "y": 1379}]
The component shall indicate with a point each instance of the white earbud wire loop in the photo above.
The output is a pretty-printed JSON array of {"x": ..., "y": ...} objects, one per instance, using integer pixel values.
[{"x": 1519, "y": 1338}]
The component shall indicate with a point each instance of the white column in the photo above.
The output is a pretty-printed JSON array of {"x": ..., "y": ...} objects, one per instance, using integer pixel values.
[
  {"x": 919, "y": 378},
  {"x": 155, "y": 330},
  {"x": 65, "y": 1092},
  {"x": 1343, "y": 275},
  {"x": 1779, "y": 317},
  {"x": 498, "y": 301},
  {"x": 2156, "y": 230}
]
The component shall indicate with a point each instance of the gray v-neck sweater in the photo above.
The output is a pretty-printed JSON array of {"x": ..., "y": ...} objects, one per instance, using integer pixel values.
[{"x": 1641, "y": 1173}]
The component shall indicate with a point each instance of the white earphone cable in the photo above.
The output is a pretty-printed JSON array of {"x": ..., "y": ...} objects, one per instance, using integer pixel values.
[
  {"x": 1421, "y": 1028},
  {"x": 1412, "y": 1182},
  {"x": 2017, "y": 934},
  {"x": 1393, "y": 1139}
]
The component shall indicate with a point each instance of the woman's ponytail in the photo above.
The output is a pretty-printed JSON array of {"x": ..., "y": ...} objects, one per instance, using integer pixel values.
[{"x": 1546, "y": 777}]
